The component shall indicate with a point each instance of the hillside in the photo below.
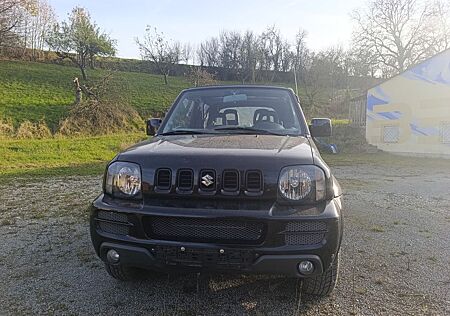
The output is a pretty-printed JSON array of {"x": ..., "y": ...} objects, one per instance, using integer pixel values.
[
  {"x": 41, "y": 91},
  {"x": 35, "y": 91}
]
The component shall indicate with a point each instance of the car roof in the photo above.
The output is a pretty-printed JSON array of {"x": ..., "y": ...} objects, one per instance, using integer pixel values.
[{"x": 237, "y": 86}]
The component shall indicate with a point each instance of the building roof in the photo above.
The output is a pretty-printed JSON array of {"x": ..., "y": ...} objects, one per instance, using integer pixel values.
[{"x": 410, "y": 68}]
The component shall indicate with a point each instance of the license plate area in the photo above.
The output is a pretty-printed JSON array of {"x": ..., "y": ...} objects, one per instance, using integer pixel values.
[{"x": 204, "y": 257}]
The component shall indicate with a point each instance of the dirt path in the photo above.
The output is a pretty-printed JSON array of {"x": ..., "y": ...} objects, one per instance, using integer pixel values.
[{"x": 395, "y": 259}]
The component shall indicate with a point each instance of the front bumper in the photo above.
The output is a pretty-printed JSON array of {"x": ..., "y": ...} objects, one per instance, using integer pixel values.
[{"x": 272, "y": 253}]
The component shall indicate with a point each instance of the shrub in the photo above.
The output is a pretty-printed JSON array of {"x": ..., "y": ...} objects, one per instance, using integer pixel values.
[
  {"x": 37, "y": 130},
  {"x": 6, "y": 128},
  {"x": 351, "y": 139},
  {"x": 200, "y": 77},
  {"x": 93, "y": 117}
]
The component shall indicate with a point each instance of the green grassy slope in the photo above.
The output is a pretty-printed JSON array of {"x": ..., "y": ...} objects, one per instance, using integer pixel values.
[
  {"x": 34, "y": 91},
  {"x": 75, "y": 155}
]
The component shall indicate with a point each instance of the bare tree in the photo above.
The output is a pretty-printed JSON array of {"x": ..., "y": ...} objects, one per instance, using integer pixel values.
[
  {"x": 162, "y": 52},
  {"x": 39, "y": 23},
  {"x": 287, "y": 56},
  {"x": 248, "y": 56},
  {"x": 401, "y": 33},
  {"x": 300, "y": 51},
  {"x": 271, "y": 45},
  {"x": 186, "y": 53},
  {"x": 11, "y": 15},
  {"x": 363, "y": 61},
  {"x": 209, "y": 52},
  {"x": 25, "y": 25},
  {"x": 230, "y": 49},
  {"x": 311, "y": 80}
]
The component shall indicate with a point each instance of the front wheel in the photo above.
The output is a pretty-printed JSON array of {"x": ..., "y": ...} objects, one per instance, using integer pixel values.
[
  {"x": 322, "y": 285},
  {"x": 122, "y": 273}
]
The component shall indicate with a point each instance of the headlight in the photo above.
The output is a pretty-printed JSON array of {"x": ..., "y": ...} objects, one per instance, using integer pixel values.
[
  {"x": 302, "y": 183},
  {"x": 123, "y": 179}
]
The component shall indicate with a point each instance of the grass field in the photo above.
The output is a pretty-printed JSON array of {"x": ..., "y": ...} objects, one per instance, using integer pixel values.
[
  {"x": 34, "y": 91},
  {"x": 61, "y": 156}
]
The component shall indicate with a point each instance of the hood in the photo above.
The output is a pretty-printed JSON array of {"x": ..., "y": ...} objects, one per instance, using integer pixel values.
[
  {"x": 233, "y": 150},
  {"x": 267, "y": 154}
]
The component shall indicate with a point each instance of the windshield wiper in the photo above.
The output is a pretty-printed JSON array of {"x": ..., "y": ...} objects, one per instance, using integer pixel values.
[
  {"x": 185, "y": 132},
  {"x": 250, "y": 130}
]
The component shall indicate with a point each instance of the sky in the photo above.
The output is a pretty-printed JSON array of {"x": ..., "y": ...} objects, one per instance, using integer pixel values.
[{"x": 327, "y": 22}]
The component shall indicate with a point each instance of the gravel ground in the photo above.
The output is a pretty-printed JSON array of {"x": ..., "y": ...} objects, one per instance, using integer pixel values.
[{"x": 395, "y": 255}]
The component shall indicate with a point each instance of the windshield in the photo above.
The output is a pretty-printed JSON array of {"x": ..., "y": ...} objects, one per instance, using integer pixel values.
[{"x": 237, "y": 110}]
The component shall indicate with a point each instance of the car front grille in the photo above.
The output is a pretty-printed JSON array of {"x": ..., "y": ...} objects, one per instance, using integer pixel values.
[
  {"x": 204, "y": 229},
  {"x": 209, "y": 181},
  {"x": 305, "y": 233}
]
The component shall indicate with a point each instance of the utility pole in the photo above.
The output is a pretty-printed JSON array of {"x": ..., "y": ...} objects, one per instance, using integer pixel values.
[{"x": 295, "y": 80}]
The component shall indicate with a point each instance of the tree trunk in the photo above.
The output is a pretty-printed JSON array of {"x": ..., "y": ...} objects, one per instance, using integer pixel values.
[
  {"x": 75, "y": 61},
  {"x": 92, "y": 61},
  {"x": 78, "y": 94},
  {"x": 83, "y": 72},
  {"x": 165, "y": 79}
]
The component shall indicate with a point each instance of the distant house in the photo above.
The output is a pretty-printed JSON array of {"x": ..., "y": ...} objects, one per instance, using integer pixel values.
[{"x": 410, "y": 113}]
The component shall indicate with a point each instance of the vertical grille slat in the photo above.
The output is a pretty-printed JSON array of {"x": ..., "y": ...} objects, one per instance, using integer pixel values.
[
  {"x": 231, "y": 180},
  {"x": 185, "y": 180},
  {"x": 163, "y": 179},
  {"x": 254, "y": 181}
]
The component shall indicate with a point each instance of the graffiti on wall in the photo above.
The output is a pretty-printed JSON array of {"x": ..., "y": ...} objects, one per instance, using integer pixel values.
[{"x": 411, "y": 111}]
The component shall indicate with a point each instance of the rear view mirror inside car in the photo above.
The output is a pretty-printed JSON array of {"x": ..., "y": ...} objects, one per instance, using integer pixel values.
[{"x": 234, "y": 98}]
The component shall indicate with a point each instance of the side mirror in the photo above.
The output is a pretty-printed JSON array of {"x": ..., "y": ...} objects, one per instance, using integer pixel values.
[
  {"x": 320, "y": 127},
  {"x": 152, "y": 126}
]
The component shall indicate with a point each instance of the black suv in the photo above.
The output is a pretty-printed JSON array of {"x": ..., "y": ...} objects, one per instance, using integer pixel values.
[{"x": 231, "y": 181}]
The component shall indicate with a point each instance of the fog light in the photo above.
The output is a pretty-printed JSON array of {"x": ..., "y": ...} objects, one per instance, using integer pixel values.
[
  {"x": 306, "y": 267},
  {"x": 112, "y": 256}
]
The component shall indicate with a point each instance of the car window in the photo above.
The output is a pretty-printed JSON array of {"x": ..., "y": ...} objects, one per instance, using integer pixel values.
[{"x": 210, "y": 109}]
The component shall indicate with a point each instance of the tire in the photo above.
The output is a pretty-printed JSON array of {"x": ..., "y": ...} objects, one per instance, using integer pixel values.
[
  {"x": 122, "y": 273},
  {"x": 322, "y": 285}
]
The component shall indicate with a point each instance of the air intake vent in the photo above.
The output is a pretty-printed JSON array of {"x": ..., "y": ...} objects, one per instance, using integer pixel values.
[
  {"x": 305, "y": 233},
  {"x": 231, "y": 180},
  {"x": 204, "y": 229},
  {"x": 112, "y": 228},
  {"x": 185, "y": 180},
  {"x": 113, "y": 222},
  {"x": 254, "y": 181},
  {"x": 163, "y": 179},
  {"x": 113, "y": 216}
]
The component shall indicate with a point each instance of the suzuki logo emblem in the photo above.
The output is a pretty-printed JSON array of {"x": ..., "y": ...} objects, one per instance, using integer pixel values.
[{"x": 207, "y": 180}]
